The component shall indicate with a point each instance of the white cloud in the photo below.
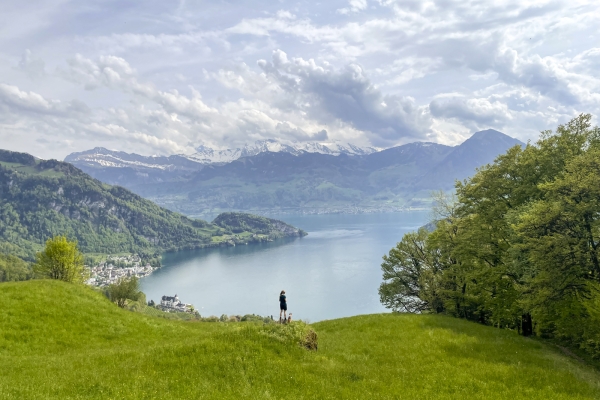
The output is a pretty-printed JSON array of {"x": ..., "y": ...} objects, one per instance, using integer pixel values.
[
  {"x": 354, "y": 6},
  {"x": 19, "y": 100},
  {"x": 347, "y": 95},
  {"x": 476, "y": 113},
  {"x": 164, "y": 77},
  {"x": 33, "y": 66}
]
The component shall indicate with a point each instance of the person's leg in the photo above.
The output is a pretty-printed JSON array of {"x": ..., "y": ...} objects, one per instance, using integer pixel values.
[{"x": 280, "y": 312}]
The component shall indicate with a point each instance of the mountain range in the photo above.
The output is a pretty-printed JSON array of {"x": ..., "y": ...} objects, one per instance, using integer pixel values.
[
  {"x": 100, "y": 157},
  {"x": 272, "y": 177},
  {"x": 207, "y": 155}
]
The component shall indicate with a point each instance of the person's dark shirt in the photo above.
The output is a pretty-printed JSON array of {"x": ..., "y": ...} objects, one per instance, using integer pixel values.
[{"x": 282, "y": 298}]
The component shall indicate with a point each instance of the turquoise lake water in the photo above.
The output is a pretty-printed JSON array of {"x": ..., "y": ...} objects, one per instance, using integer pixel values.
[{"x": 333, "y": 272}]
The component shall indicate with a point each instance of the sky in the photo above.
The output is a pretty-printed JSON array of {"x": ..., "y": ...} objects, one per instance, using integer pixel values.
[{"x": 164, "y": 77}]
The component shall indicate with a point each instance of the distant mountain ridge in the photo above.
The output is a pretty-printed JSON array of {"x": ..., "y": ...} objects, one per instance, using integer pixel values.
[
  {"x": 43, "y": 198},
  {"x": 207, "y": 155},
  {"x": 283, "y": 179},
  {"x": 100, "y": 157}
]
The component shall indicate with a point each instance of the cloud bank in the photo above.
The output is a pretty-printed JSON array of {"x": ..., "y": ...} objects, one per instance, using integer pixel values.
[{"x": 164, "y": 78}]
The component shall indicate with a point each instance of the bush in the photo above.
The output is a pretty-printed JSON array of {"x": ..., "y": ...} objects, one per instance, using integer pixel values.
[
  {"x": 14, "y": 269},
  {"x": 311, "y": 340},
  {"x": 61, "y": 260},
  {"x": 296, "y": 332},
  {"x": 255, "y": 318},
  {"x": 125, "y": 289}
]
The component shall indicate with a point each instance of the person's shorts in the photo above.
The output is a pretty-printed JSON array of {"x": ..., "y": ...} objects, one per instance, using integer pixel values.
[{"x": 283, "y": 306}]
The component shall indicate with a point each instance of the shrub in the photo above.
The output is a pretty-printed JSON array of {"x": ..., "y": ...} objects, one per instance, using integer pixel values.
[
  {"x": 125, "y": 289},
  {"x": 13, "y": 269},
  {"x": 62, "y": 260},
  {"x": 310, "y": 341},
  {"x": 296, "y": 332}
]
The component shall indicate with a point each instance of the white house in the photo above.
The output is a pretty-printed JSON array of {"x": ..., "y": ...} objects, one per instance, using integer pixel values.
[{"x": 173, "y": 303}]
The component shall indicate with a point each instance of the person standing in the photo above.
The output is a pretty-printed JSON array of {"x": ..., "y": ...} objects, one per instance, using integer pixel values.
[{"x": 282, "y": 305}]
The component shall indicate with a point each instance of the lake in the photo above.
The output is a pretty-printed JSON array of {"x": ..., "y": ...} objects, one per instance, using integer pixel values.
[{"x": 333, "y": 272}]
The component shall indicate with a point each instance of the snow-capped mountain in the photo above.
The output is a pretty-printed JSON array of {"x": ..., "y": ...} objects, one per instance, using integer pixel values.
[
  {"x": 207, "y": 155},
  {"x": 206, "y": 181},
  {"x": 99, "y": 157}
]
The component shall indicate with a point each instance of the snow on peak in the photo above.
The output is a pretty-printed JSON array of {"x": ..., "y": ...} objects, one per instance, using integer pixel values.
[{"x": 206, "y": 155}]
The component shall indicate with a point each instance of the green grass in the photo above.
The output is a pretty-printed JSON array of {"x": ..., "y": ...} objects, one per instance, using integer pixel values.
[
  {"x": 146, "y": 310},
  {"x": 242, "y": 235},
  {"x": 64, "y": 341},
  {"x": 26, "y": 169}
]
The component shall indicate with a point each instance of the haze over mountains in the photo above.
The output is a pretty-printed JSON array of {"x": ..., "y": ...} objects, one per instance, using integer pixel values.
[
  {"x": 270, "y": 176},
  {"x": 207, "y": 155},
  {"x": 101, "y": 157}
]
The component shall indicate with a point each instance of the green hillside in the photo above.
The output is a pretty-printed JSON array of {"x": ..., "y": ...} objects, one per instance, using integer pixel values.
[
  {"x": 65, "y": 341},
  {"x": 238, "y": 222},
  {"x": 40, "y": 199}
]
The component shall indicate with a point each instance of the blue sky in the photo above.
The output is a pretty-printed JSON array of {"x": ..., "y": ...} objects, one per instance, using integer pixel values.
[{"x": 160, "y": 77}]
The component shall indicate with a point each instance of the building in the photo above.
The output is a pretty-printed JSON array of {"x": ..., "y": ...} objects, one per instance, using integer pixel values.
[{"x": 169, "y": 303}]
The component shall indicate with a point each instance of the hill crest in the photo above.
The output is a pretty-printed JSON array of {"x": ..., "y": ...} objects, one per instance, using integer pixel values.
[{"x": 72, "y": 342}]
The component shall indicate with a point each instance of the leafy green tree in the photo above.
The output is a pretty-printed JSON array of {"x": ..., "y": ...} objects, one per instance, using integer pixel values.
[
  {"x": 125, "y": 289},
  {"x": 62, "y": 260},
  {"x": 492, "y": 265},
  {"x": 560, "y": 237},
  {"x": 14, "y": 269},
  {"x": 520, "y": 248},
  {"x": 411, "y": 274}
]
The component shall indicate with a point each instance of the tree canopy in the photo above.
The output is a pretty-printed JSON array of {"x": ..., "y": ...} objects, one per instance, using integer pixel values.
[
  {"x": 519, "y": 246},
  {"x": 13, "y": 268},
  {"x": 125, "y": 289},
  {"x": 62, "y": 260}
]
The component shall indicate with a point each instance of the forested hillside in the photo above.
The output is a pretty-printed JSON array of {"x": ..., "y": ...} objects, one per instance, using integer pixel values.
[
  {"x": 40, "y": 199},
  {"x": 242, "y": 222},
  {"x": 519, "y": 247}
]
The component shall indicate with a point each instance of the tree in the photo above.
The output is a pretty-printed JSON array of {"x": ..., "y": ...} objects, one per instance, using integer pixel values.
[
  {"x": 496, "y": 267},
  {"x": 560, "y": 237},
  {"x": 410, "y": 272},
  {"x": 520, "y": 248},
  {"x": 125, "y": 289},
  {"x": 13, "y": 269},
  {"x": 61, "y": 260}
]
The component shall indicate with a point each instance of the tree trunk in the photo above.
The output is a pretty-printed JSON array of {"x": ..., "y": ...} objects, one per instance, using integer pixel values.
[{"x": 526, "y": 324}]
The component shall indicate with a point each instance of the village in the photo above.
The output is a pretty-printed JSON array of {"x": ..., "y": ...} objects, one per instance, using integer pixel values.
[
  {"x": 117, "y": 267},
  {"x": 127, "y": 266}
]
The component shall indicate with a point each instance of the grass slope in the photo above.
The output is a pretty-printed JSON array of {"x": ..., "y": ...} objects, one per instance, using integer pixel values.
[{"x": 63, "y": 341}]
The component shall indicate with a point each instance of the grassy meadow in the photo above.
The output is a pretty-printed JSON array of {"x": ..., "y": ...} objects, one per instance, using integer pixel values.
[{"x": 64, "y": 341}]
